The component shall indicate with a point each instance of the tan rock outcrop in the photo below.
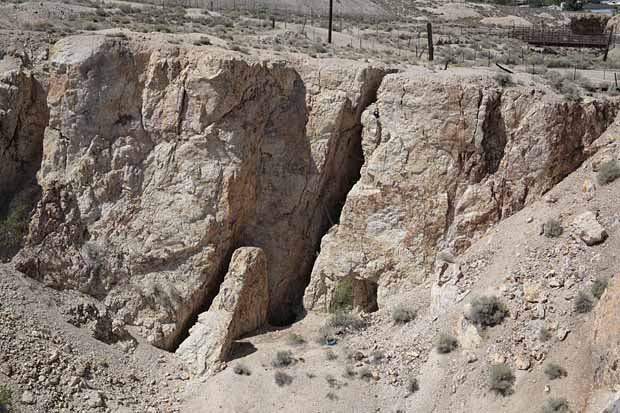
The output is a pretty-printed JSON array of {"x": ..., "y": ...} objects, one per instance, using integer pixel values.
[
  {"x": 23, "y": 118},
  {"x": 239, "y": 308},
  {"x": 606, "y": 337},
  {"x": 447, "y": 155},
  {"x": 160, "y": 160}
]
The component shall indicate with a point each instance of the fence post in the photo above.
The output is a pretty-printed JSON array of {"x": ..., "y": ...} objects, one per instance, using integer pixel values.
[
  {"x": 331, "y": 21},
  {"x": 429, "y": 34}
]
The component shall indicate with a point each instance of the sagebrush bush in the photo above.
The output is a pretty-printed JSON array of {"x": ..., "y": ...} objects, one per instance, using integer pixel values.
[
  {"x": 342, "y": 299},
  {"x": 295, "y": 339},
  {"x": 325, "y": 334},
  {"x": 598, "y": 287},
  {"x": 503, "y": 79},
  {"x": 555, "y": 371},
  {"x": 487, "y": 311},
  {"x": 446, "y": 343},
  {"x": 608, "y": 172},
  {"x": 553, "y": 228},
  {"x": 241, "y": 369},
  {"x": 345, "y": 320},
  {"x": 349, "y": 372},
  {"x": 412, "y": 385},
  {"x": 501, "y": 379},
  {"x": 282, "y": 379},
  {"x": 583, "y": 303},
  {"x": 556, "y": 406},
  {"x": 282, "y": 358},
  {"x": 402, "y": 314}
]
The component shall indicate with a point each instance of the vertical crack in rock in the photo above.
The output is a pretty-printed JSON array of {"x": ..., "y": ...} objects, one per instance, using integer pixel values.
[{"x": 23, "y": 118}]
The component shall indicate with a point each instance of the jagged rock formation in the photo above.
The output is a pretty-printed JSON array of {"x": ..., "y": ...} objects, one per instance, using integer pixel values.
[
  {"x": 23, "y": 118},
  {"x": 239, "y": 308},
  {"x": 606, "y": 337},
  {"x": 160, "y": 160},
  {"x": 447, "y": 156}
]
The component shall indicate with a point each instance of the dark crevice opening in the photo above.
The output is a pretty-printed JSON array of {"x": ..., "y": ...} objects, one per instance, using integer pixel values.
[{"x": 203, "y": 299}]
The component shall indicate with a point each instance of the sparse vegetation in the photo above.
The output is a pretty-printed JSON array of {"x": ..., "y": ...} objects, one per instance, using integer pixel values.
[
  {"x": 412, "y": 385},
  {"x": 13, "y": 228},
  {"x": 331, "y": 396},
  {"x": 608, "y": 172},
  {"x": 501, "y": 379},
  {"x": 503, "y": 79},
  {"x": 5, "y": 399},
  {"x": 402, "y": 314},
  {"x": 544, "y": 334},
  {"x": 349, "y": 372},
  {"x": 342, "y": 300},
  {"x": 554, "y": 371},
  {"x": 346, "y": 320},
  {"x": 295, "y": 339},
  {"x": 330, "y": 355},
  {"x": 598, "y": 287},
  {"x": 282, "y": 379},
  {"x": 283, "y": 358},
  {"x": 325, "y": 334},
  {"x": 446, "y": 343},
  {"x": 488, "y": 311},
  {"x": 556, "y": 406},
  {"x": 552, "y": 228},
  {"x": 241, "y": 369},
  {"x": 583, "y": 303}
]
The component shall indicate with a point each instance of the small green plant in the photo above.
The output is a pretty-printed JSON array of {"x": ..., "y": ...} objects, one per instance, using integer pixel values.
[
  {"x": 241, "y": 369},
  {"x": 552, "y": 228},
  {"x": 282, "y": 379},
  {"x": 556, "y": 406},
  {"x": 5, "y": 399},
  {"x": 295, "y": 339},
  {"x": 544, "y": 334},
  {"x": 583, "y": 303},
  {"x": 488, "y": 311},
  {"x": 501, "y": 379},
  {"x": 503, "y": 79},
  {"x": 13, "y": 228},
  {"x": 282, "y": 358},
  {"x": 446, "y": 344},
  {"x": 598, "y": 287},
  {"x": 555, "y": 371},
  {"x": 345, "y": 320},
  {"x": 402, "y": 314},
  {"x": 608, "y": 172},
  {"x": 412, "y": 385},
  {"x": 342, "y": 300},
  {"x": 330, "y": 355}
]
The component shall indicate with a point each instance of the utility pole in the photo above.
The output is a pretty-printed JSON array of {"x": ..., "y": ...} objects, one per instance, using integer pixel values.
[{"x": 331, "y": 21}]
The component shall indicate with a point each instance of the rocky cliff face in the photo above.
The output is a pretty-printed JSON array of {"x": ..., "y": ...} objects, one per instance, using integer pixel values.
[
  {"x": 447, "y": 156},
  {"x": 159, "y": 161},
  {"x": 23, "y": 118}
]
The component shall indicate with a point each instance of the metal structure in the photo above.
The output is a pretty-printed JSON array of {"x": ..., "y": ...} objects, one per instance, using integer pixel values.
[{"x": 540, "y": 36}]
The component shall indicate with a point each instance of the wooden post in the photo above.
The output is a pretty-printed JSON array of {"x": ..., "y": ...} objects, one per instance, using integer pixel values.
[
  {"x": 331, "y": 21},
  {"x": 429, "y": 34},
  {"x": 611, "y": 33}
]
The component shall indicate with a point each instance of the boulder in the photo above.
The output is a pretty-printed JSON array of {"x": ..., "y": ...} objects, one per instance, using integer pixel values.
[
  {"x": 589, "y": 229},
  {"x": 239, "y": 308}
]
